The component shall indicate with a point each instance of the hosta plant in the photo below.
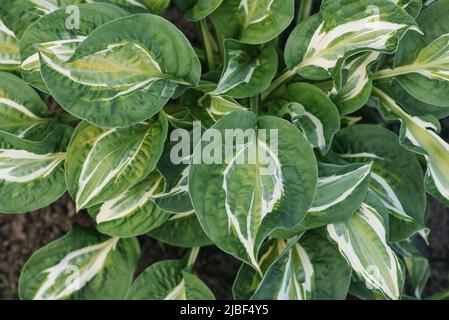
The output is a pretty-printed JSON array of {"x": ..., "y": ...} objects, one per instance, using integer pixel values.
[{"x": 331, "y": 203}]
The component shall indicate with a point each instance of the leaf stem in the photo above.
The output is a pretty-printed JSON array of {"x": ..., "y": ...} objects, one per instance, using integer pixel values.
[
  {"x": 254, "y": 105},
  {"x": 390, "y": 73},
  {"x": 220, "y": 43},
  {"x": 191, "y": 257},
  {"x": 305, "y": 8},
  {"x": 208, "y": 44},
  {"x": 391, "y": 104},
  {"x": 287, "y": 75}
]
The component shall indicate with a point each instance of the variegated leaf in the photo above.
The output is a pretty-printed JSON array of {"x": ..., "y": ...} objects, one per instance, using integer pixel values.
[
  {"x": 238, "y": 202},
  {"x": 332, "y": 273},
  {"x": 421, "y": 135},
  {"x": 248, "y": 280},
  {"x": 19, "y": 15},
  {"x": 320, "y": 119},
  {"x": 416, "y": 264},
  {"x": 421, "y": 65},
  {"x": 60, "y": 40},
  {"x": 182, "y": 230},
  {"x": 253, "y": 21},
  {"x": 340, "y": 192},
  {"x": 117, "y": 78},
  {"x": 32, "y": 173},
  {"x": 413, "y": 7},
  {"x": 319, "y": 44},
  {"x": 412, "y": 105},
  {"x": 81, "y": 265},
  {"x": 356, "y": 90},
  {"x": 209, "y": 108},
  {"x": 137, "y": 6},
  {"x": 9, "y": 49},
  {"x": 132, "y": 212},
  {"x": 102, "y": 163},
  {"x": 396, "y": 175},
  {"x": 22, "y": 112},
  {"x": 176, "y": 198},
  {"x": 430, "y": 69},
  {"x": 196, "y": 10},
  {"x": 166, "y": 280},
  {"x": 247, "y": 71},
  {"x": 362, "y": 240},
  {"x": 291, "y": 277}
]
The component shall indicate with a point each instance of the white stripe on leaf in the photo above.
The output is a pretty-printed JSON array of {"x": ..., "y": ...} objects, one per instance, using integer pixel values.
[
  {"x": 245, "y": 219},
  {"x": 389, "y": 197},
  {"x": 292, "y": 287},
  {"x": 87, "y": 262},
  {"x": 9, "y": 46},
  {"x": 432, "y": 62},
  {"x": 344, "y": 184},
  {"x": 21, "y": 166},
  {"x": 420, "y": 133},
  {"x": 362, "y": 241},
  {"x": 125, "y": 204},
  {"x": 326, "y": 47}
]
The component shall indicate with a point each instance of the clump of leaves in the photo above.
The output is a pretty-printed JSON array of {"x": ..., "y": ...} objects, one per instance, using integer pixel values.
[{"x": 346, "y": 201}]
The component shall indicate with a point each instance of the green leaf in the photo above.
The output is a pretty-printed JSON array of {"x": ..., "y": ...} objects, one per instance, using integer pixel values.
[
  {"x": 175, "y": 198},
  {"x": 178, "y": 116},
  {"x": 409, "y": 103},
  {"x": 22, "y": 112},
  {"x": 362, "y": 240},
  {"x": 9, "y": 49},
  {"x": 182, "y": 230},
  {"x": 102, "y": 163},
  {"x": 427, "y": 77},
  {"x": 320, "y": 120},
  {"x": 418, "y": 267},
  {"x": 240, "y": 202},
  {"x": 136, "y": 6},
  {"x": 253, "y": 21},
  {"x": 248, "y": 280},
  {"x": 356, "y": 90},
  {"x": 332, "y": 273},
  {"x": 197, "y": 9},
  {"x": 132, "y": 212},
  {"x": 166, "y": 280},
  {"x": 319, "y": 44},
  {"x": 32, "y": 173},
  {"x": 421, "y": 65},
  {"x": 82, "y": 265},
  {"x": 396, "y": 174},
  {"x": 418, "y": 134},
  {"x": 413, "y": 7},
  {"x": 209, "y": 108},
  {"x": 291, "y": 277},
  {"x": 51, "y": 33},
  {"x": 123, "y": 72},
  {"x": 19, "y": 15},
  {"x": 341, "y": 190},
  {"x": 247, "y": 71}
]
